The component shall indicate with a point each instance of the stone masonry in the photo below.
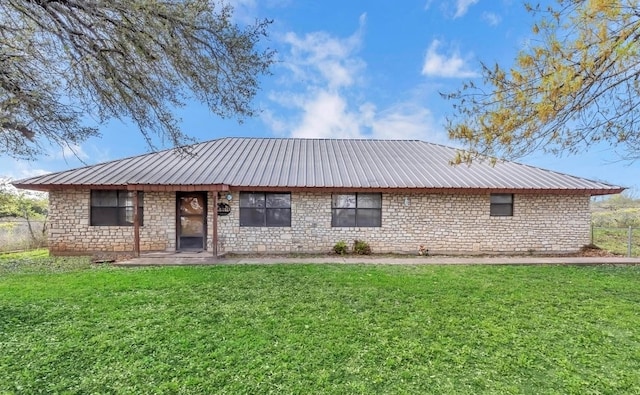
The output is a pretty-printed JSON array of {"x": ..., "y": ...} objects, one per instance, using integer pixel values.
[
  {"x": 70, "y": 232},
  {"x": 443, "y": 223}
]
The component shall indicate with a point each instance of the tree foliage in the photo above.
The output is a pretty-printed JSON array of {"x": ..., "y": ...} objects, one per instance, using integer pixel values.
[
  {"x": 65, "y": 61},
  {"x": 20, "y": 204},
  {"x": 30, "y": 207},
  {"x": 574, "y": 85}
]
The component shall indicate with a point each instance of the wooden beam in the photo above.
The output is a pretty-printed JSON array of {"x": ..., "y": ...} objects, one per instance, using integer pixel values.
[
  {"x": 136, "y": 225},
  {"x": 214, "y": 243}
]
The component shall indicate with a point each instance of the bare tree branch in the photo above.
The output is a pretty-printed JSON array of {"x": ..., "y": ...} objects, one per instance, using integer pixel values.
[{"x": 65, "y": 60}]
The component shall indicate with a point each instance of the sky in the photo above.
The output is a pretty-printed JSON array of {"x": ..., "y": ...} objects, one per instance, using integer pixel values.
[{"x": 357, "y": 69}]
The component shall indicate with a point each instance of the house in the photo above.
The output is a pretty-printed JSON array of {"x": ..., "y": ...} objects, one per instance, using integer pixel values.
[{"x": 271, "y": 195}]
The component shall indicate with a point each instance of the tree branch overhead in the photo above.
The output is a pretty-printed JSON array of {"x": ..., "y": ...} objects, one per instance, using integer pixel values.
[
  {"x": 124, "y": 59},
  {"x": 576, "y": 86}
]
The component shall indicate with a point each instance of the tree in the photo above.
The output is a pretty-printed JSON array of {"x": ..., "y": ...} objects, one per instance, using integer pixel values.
[
  {"x": 65, "y": 61},
  {"x": 575, "y": 85},
  {"x": 29, "y": 206}
]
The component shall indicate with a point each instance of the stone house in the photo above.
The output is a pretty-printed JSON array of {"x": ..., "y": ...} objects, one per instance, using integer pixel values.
[{"x": 259, "y": 195}]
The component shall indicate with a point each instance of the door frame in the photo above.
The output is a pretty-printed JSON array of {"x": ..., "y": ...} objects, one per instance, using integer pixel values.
[{"x": 204, "y": 221}]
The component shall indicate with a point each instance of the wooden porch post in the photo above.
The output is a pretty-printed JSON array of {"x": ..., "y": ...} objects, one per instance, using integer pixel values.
[
  {"x": 214, "y": 244},
  {"x": 136, "y": 225}
]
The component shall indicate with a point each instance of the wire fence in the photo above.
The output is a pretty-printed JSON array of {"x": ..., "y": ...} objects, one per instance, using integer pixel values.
[
  {"x": 22, "y": 235},
  {"x": 622, "y": 240}
]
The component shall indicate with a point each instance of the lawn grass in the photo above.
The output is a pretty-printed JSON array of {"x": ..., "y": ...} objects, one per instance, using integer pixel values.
[
  {"x": 39, "y": 261},
  {"x": 322, "y": 329},
  {"x": 617, "y": 240}
]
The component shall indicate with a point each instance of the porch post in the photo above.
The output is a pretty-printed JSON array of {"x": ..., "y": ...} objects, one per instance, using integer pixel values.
[
  {"x": 214, "y": 243},
  {"x": 136, "y": 225}
]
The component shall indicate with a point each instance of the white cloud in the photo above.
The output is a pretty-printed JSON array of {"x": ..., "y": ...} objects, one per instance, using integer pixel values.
[
  {"x": 277, "y": 125},
  {"x": 491, "y": 18},
  {"x": 67, "y": 152},
  {"x": 450, "y": 65},
  {"x": 318, "y": 57},
  {"x": 405, "y": 121},
  {"x": 18, "y": 169},
  {"x": 324, "y": 89},
  {"x": 462, "y": 6},
  {"x": 326, "y": 115},
  {"x": 32, "y": 172}
]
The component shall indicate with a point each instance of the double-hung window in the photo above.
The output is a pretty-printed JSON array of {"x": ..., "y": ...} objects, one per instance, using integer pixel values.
[
  {"x": 114, "y": 207},
  {"x": 501, "y": 205},
  {"x": 265, "y": 209},
  {"x": 356, "y": 210}
]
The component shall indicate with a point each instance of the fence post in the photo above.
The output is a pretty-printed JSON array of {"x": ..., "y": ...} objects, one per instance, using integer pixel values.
[{"x": 629, "y": 242}]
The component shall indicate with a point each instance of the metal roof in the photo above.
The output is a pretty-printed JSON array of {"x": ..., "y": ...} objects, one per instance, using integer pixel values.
[{"x": 314, "y": 163}]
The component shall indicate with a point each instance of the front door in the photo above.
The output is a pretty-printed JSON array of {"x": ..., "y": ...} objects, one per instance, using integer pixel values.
[{"x": 191, "y": 221}]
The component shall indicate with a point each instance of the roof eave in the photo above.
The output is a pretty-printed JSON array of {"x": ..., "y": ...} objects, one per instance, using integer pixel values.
[
  {"x": 221, "y": 187},
  {"x": 131, "y": 187}
]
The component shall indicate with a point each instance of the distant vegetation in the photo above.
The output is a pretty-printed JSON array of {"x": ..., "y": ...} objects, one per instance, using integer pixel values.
[
  {"x": 23, "y": 218},
  {"x": 611, "y": 219},
  {"x": 618, "y": 211}
]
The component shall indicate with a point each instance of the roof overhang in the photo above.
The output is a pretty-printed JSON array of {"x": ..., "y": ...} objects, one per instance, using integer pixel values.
[
  {"x": 459, "y": 191},
  {"x": 130, "y": 187},
  {"x": 223, "y": 188}
]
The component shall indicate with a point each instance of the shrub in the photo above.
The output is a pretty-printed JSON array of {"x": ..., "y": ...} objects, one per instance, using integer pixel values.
[
  {"x": 341, "y": 248},
  {"x": 361, "y": 247}
]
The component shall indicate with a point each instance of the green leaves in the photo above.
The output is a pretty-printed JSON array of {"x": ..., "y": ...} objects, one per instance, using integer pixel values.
[
  {"x": 574, "y": 87},
  {"x": 20, "y": 204},
  {"x": 65, "y": 62}
]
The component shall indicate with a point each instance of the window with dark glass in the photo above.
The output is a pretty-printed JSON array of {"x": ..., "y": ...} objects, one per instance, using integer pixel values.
[
  {"x": 265, "y": 209},
  {"x": 501, "y": 205},
  {"x": 356, "y": 210},
  {"x": 114, "y": 208}
]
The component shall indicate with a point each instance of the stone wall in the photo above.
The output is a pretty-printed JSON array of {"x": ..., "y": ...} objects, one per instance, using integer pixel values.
[
  {"x": 444, "y": 223},
  {"x": 70, "y": 232}
]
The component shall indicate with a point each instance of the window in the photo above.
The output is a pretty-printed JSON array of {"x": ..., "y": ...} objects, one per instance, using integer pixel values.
[
  {"x": 356, "y": 209},
  {"x": 114, "y": 208},
  {"x": 501, "y": 205},
  {"x": 265, "y": 209}
]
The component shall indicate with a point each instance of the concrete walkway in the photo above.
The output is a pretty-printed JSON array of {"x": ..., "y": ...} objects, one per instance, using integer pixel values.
[{"x": 181, "y": 259}]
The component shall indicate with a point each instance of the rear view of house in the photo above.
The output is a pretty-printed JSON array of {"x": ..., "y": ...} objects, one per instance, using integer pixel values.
[{"x": 253, "y": 195}]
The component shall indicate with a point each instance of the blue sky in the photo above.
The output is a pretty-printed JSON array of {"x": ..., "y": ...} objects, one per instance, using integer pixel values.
[{"x": 358, "y": 69}]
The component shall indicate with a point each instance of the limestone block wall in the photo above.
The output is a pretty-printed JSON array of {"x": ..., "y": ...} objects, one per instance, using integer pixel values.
[
  {"x": 444, "y": 223},
  {"x": 70, "y": 231}
]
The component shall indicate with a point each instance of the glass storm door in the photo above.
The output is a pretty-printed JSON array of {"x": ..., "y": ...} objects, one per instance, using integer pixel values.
[{"x": 192, "y": 221}]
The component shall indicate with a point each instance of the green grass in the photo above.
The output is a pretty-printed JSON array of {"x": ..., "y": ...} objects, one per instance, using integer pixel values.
[
  {"x": 322, "y": 329},
  {"x": 39, "y": 261},
  {"x": 617, "y": 240}
]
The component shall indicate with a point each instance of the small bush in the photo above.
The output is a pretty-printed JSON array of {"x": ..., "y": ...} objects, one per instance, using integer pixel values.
[
  {"x": 361, "y": 247},
  {"x": 341, "y": 248}
]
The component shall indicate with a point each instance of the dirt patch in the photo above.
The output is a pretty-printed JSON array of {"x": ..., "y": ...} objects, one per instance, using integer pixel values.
[{"x": 593, "y": 250}]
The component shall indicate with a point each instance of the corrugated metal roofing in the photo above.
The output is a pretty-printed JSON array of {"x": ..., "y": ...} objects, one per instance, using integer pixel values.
[{"x": 315, "y": 163}]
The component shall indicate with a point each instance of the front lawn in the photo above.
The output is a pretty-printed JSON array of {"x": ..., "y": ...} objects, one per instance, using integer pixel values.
[{"x": 322, "y": 329}]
